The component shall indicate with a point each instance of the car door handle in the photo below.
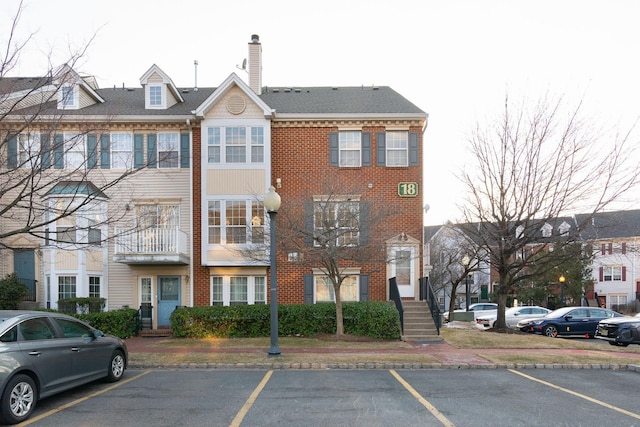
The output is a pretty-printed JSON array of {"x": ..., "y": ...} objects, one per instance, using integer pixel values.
[
  {"x": 76, "y": 349},
  {"x": 35, "y": 353}
]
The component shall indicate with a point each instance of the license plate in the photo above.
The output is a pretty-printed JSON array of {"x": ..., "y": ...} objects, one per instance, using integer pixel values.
[{"x": 604, "y": 332}]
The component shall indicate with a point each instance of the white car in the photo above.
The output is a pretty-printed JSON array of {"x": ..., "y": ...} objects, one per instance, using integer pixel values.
[
  {"x": 479, "y": 309},
  {"x": 511, "y": 316}
]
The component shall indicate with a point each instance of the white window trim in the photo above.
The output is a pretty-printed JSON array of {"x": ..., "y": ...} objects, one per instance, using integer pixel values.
[
  {"x": 395, "y": 149},
  {"x": 351, "y": 272},
  {"x": 163, "y": 95},
  {"x": 341, "y": 149},
  {"x": 223, "y": 224},
  {"x": 226, "y": 288},
  {"x": 75, "y": 95}
]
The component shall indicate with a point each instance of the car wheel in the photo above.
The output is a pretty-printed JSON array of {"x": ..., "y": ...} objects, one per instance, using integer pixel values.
[
  {"x": 116, "y": 366},
  {"x": 551, "y": 331},
  {"x": 19, "y": 399}
]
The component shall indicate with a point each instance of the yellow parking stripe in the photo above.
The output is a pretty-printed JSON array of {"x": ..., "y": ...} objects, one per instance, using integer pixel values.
[
  {"x": 582, "y": 396},
  {"x": 247, "y": 405},
  {"x": 444, "y": 420},
  {"x": 82, "y": 399}
]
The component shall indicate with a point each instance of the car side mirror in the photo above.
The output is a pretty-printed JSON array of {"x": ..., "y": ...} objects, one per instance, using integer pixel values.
[
  {"x": 98, "y": 334},
  {"x": 568, "y": 317}
]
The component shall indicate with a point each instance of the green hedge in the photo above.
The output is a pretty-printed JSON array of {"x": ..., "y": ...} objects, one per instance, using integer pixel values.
[
  {"x": 81, "y": 305},
  {"x": 372, "y": 319},
  {"x": 121, "y": 323}
]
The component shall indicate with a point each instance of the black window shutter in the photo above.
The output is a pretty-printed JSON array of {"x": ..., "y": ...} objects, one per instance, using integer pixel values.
[
  {"x": 308, "y": 288},
  {"x": 308, "y": 223},
  {"x": 12, "y": 152},
  {"x": 334, "y": 149},
  {"x": 151, "y": 150},
  {"x": 366, "y": 148},
  {"x": 381, "y": 149},
  {"x": 413, "y": 149},
  {"x": 364, "y": 287},
  {"x": 184, "y": 150},
  {"x": 364, "y": 223},
  {"x": 92, "y": 151},
  {"x": 58, "y": 151},
  {"x": 45, "y": 150},
  {"x": 105, "y": 151},
  {"x": 138, "y": 150}
]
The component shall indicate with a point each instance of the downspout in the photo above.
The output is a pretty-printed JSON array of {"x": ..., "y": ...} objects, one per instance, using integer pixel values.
[{"x": 190, "y": 126}]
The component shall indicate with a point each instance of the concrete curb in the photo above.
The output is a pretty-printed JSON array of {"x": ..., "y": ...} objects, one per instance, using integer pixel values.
[{"x": 380, "y": 365}]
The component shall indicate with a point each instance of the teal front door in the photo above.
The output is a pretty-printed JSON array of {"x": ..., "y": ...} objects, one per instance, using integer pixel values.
[{"x": 168, "y": 298}]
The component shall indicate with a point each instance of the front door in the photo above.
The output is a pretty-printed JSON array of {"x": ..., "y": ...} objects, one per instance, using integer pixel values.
[
  {"x": 168, "y": 298},
  {"x": 25, "y": 268}
]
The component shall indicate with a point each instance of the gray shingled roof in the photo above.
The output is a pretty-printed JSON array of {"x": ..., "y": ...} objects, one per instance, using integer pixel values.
[
  {"x": 338, "y": 100},
  {"x": 611, "y": 225},
  {"x": 296, "y": 100}
]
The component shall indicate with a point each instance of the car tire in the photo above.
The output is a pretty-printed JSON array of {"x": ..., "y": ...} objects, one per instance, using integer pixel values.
[
  {"x": 116, "y": 367},
  {"x": 550, "y": 331},
  {"x": 19, "y": 399}
]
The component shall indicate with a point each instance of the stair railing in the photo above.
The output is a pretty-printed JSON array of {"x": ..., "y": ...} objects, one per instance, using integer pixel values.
[
  {"x": 394, "y": 295},
  {"x": 427, "y": 294}
]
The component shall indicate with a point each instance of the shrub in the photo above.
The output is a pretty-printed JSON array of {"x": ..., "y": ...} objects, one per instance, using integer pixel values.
[
  {"x": 121, "y": 323},
  {"x": 373, "y": 319},
  {"x": 12, "y": 291}
]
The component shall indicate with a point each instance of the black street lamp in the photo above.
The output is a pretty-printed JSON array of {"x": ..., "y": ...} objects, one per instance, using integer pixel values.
[
  {"x": 272, "y": 204},
  {"x": 467, "y": 286}
]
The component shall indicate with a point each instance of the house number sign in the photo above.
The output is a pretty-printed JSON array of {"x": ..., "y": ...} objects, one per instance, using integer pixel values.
[{"x": 408, "y": 189}]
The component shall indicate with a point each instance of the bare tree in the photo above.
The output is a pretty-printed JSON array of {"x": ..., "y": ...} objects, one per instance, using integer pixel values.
[
  {"x": 334, "y": 232},
  {"x": 49, "y": 172},
  {"x": 454, "y": 257},
  {"x": 534, "y": 165}
]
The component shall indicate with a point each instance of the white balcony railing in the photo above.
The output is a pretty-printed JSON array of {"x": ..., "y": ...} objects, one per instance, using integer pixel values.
[{"x": 150, "y": 241}]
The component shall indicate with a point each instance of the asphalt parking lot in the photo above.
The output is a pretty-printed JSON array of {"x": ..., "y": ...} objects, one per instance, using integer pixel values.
[{"x": 426, "y": 397}]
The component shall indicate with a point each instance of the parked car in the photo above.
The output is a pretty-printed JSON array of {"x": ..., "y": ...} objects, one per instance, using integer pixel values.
[
  {"x": 568, "y": 321},
  {"x": 43, "y": 353},
  {"x": 620, "y": 331},
  {"x": 478, "y": 309},
  {"x": 512, "y": 316}
]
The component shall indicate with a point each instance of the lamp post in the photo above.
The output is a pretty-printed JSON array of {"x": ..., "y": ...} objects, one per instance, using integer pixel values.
[
  {"x": 272, "y": 204},
  {"x": 561, "y": 279},
  {"x": 467, "y": 288}
]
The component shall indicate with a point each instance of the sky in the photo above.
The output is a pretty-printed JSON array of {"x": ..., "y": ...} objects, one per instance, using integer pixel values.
[{"x": 454, "y": 59}]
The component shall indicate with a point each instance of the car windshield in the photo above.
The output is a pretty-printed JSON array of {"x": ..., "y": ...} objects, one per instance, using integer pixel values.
[{"x": 559, "y": 312}]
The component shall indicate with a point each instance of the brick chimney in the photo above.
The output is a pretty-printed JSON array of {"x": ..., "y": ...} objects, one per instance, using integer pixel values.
[{"x": 255, "y": 64}]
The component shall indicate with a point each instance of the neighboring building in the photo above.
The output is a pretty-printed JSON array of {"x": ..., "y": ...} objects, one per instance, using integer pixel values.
[
  {"x": 162, "y": 186},
  {"x": 613, "y": 236}
]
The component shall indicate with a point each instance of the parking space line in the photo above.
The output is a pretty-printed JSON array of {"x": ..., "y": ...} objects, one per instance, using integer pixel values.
[
  {"x": 444, "y": 420},
  {"x": 574, "y": 393},
  {"x": 82, "y": 399},
  {"x": 247, "y": 405}
]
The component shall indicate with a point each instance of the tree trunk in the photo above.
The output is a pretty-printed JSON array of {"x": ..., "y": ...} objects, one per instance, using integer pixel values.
[
  {"x": 502, "y": 303},
  {"x": 339, "y": 322}
]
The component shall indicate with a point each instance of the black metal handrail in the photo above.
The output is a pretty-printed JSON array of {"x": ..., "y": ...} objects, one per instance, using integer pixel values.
[
  {"x": 31, "y": 285},
  {"x": 394, "y": 295},
  {"x": 427, "y": 294}
]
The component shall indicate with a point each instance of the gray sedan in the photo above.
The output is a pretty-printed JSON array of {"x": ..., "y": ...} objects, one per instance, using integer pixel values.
[{"x": 44, "y": 353}]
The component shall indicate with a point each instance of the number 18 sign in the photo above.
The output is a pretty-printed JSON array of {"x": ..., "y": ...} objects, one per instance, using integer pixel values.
[{"x": 408, "y": 189}]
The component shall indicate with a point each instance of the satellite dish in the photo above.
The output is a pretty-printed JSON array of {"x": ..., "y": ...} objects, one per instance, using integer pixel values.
[{"x": 244, "y": 65}]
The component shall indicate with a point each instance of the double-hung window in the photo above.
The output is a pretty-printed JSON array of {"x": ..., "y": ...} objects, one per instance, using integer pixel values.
[
  {"x": 235, "y": 144},
  {"x": 121, "y": 150},
  {"x": 238, "y": 290},
  {"x": 28, "y": 149},
  {"x": 168, "y": 150},
  {"x": 235, "y": 222},
  {"x": 350, "y": 146},
  {"x": 66, "y": 287},
  {"x": 94, "y": 286},
  {"x": 325, "y": 292},
  {"x": 612, "y": 273},
  {"x": 74, "y": 150},
  {"x": 155, "y": 96},
  {"x": 397, "y": 146},
  {"x": 336, "y": 223}
]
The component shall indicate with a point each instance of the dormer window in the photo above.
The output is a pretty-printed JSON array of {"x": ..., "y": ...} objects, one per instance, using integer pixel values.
[
  {"x": 68, "y": 97},
  {"x": 155, "y": 96},
  {"x": 546, "y": 230}
]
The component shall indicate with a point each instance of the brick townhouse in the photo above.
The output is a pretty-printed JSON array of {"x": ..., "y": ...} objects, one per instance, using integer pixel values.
[{"x": 204, "y": 159}]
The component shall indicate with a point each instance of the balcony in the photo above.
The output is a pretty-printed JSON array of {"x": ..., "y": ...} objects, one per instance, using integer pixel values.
[{"x": 151, "y": 246}]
